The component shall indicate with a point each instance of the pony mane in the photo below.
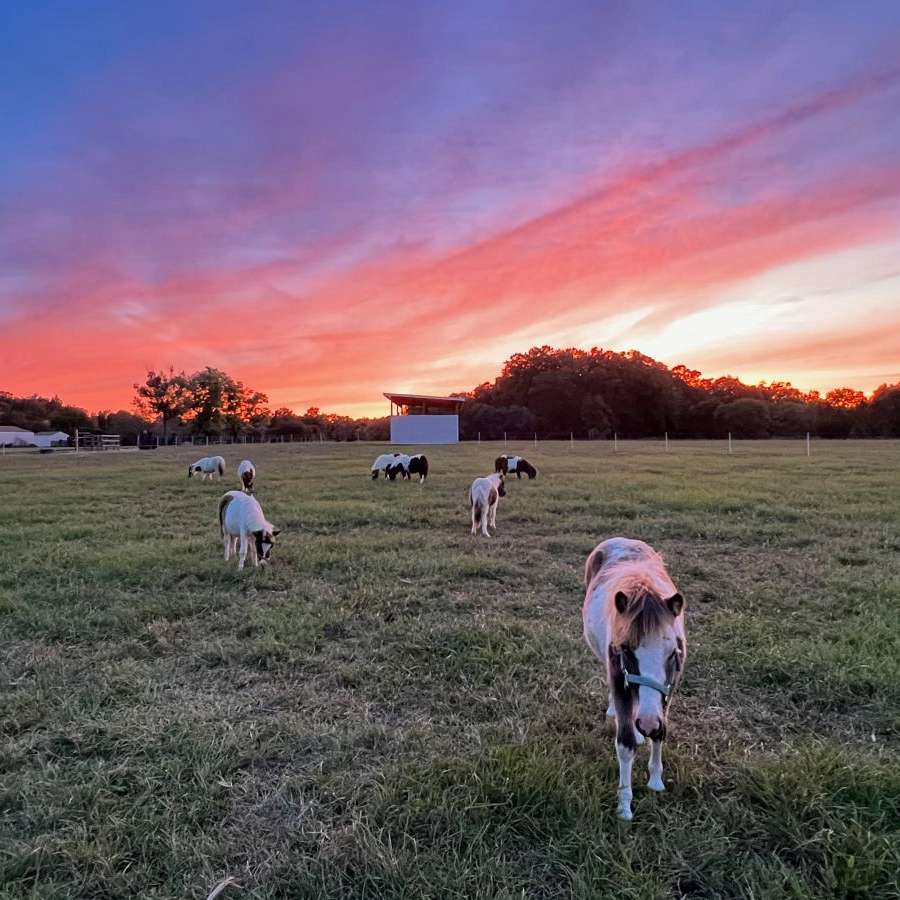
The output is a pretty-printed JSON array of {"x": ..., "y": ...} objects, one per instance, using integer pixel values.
[{"x": 646, "y": 584}]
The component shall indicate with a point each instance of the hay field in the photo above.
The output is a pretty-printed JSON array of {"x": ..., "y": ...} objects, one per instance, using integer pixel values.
[{"x": 398, "y": 710}]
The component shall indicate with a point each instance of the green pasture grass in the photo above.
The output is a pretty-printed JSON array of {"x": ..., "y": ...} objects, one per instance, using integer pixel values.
[{"x": 395, "y": 709}]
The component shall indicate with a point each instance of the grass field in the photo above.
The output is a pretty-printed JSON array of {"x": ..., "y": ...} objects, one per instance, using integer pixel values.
[{"x": 398, "y": 710}]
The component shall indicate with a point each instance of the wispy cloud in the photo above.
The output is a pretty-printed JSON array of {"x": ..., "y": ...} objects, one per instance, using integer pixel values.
[{"x": 382, "y": 242}]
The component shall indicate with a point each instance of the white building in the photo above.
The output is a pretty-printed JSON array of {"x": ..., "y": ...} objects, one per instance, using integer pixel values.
[
  {"x": 13, "y": 436},
  {"x": 420, "y": 419},
  {"x": 51, "y": 439}
]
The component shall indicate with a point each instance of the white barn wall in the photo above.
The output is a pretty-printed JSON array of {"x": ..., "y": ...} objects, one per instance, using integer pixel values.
[{"x": 424, "y": 429}]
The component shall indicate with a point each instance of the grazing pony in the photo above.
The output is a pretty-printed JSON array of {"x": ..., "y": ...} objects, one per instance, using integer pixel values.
[
  {"x": 207, "y": 468},
  {"x": 484, "y": 497},
  {"x": 240, "y": 518},
  {"x": 418, "y": 465},
  {"x": 634, "y": 622},
  {"x": 407, "y": 466},
  {"x": 400, "y": 466},
  {"x": 382, "y": 463},
  {"x": 516, "y": 465},
  {"x": 246, "y": 474}
]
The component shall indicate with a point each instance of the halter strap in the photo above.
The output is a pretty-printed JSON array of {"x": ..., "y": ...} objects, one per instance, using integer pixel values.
[{"x": 645, "y": 680}]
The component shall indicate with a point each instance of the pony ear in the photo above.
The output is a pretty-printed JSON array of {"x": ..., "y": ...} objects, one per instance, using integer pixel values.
[
  {"x": 592, "y": 566},
  {"x": 258, "y": 533},
  {"x": 621, "y": 602},
  {"x": 675, "y": 604}
]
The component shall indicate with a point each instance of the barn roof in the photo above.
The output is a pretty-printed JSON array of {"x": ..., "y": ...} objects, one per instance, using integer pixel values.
[{"x": 451, "y": 402}]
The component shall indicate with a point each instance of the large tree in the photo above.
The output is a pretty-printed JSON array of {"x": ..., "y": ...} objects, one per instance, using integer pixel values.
[{"x": 164, "y": 396}]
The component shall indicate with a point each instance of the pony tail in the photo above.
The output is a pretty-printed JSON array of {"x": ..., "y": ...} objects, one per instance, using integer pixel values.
[
  {"x": 223, "y": 505},
  {"x": 221, "y": 470}
]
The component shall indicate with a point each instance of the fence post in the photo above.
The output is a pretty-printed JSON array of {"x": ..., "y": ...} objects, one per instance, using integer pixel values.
[
  {"x": 535, "y": 440},
  {"x": 807, "y": 443},
  {"x": 667, "y": 440},
  {"x": 729, "y": 442},
  {"x": 76, "y": 440},
  {"x": 571, "y": 440},
  {"x": 504, "y": 438},
  {"x": 479, "y": 437},
  {"x": 615, "y": 442}
]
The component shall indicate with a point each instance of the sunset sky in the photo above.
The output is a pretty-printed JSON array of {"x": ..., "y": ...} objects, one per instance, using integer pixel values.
[{"x": 331, "y": 200}]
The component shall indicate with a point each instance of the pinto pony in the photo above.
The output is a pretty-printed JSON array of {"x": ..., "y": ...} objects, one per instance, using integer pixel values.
[
  {"x": 400, "y": 466},
  {"x": 407, "y": 466},
  {"x": 246, "y": 474},
  {"x": 515, "y": 465},
  {"x": 240, "y": 519},
  {"x": 207, "y": 467},
  {"x": 382, "y": 464},
  {"x": 484, "y": 497},
  {"x": 634, "y": 622}
]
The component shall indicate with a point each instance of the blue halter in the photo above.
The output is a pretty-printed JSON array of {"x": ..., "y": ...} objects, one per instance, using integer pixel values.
[{"x": 646, "y": 681}]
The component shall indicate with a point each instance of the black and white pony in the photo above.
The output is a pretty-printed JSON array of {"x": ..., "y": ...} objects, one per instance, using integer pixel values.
[
  {"x": 382, "y": 464},
  {"x": 484, "y": 498},
  {"x": 514, "y": 465},
  {"x": 407, "y": 466},
  {"x": 208, "y": 467},
  {"x": 634, "y": 623},
  {"x": 241, "y": 522}
]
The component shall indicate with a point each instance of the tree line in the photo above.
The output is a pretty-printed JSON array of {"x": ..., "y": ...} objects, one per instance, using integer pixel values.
[
  {"x": 547, "y": 391},
  {"x": 597, "y": 393}
]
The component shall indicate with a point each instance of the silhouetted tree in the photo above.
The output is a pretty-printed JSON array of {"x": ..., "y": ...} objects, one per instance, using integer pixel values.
[{"x": 164, "y": 396}]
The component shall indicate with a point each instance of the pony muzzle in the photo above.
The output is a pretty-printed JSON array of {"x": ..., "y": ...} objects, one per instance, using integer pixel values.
[{"x": 651, "y": 725}]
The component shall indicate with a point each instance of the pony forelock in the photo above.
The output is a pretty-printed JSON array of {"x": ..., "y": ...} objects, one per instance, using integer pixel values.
[{"x": 646, "y": 584}]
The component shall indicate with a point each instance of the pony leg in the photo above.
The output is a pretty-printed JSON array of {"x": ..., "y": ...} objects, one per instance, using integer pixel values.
[
  {"x": 484, "y": 522},
  {"x": 625, "y": 754},
  {"x": 227, "y": 547},
  {"x": 243, "y": 556},
  {"x": 611, "y": 709},
  {"x": 656, "y": 783}
]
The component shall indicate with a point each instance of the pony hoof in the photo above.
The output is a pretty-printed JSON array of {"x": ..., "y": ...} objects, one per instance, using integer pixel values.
[
  {"x": 626, "y": 815},
  {"x": 656, "y": 784}
]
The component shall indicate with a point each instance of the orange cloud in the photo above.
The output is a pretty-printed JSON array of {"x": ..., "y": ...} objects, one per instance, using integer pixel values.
[{"x": 663, "y": 234}]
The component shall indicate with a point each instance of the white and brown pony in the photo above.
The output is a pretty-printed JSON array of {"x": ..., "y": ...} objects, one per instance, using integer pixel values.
[
  {"x": 246, "y": 475},
  {"x": 634, "y": 623},
  {"x": 484, "y": 497},
  {"x": 515, "y": 465}
]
